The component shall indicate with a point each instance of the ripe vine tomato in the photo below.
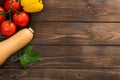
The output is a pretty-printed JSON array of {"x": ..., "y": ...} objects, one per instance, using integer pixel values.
[
  {"x": 21, "y": 19},
  {"x": 2, "y": 16},
  {"x": 15, "y": 5},
  {"x": 7, "y": 28}
]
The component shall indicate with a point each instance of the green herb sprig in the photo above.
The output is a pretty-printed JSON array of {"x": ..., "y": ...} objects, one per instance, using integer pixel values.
[{"x": 28, "y": 56}]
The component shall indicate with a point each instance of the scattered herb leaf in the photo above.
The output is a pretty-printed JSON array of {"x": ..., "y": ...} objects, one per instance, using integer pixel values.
[{"x": 28, "y": 56}]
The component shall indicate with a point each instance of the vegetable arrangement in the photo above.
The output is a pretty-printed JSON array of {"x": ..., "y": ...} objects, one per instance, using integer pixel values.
[
  {"x": 14, "y": 15},
  {"x": 14, "y": 43}
]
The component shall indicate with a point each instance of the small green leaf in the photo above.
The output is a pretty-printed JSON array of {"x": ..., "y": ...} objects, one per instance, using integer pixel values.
[
  {"x": 27, "y": 49},
  {"x": 28, "y": 56},
  {"x": 24, "y": 61}
]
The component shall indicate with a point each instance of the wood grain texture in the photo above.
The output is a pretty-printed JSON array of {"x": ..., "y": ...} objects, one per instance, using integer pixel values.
[
  {"x": 60, "y": 74},
  {"x": 79, "y": 10},
  {"x": 72, "y": 57},
  {"x": 77, "y": 40}
]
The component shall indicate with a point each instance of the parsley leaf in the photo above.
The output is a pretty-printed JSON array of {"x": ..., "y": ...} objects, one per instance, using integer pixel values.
[{"x": 28, "y": 56}]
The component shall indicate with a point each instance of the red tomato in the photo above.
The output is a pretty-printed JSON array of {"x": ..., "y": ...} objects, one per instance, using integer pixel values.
[
  {"x": 7, "y": 28},
  {"x": 2, "y": 17},
  {"x": 15, "y": 5},
  {"x": 22, "y": 19}
]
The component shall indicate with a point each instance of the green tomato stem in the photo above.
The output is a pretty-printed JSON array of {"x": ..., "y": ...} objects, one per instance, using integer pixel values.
[{"x": 10, "y": 15}]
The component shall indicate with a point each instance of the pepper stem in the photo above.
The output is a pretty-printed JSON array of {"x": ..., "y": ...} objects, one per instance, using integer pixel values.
[{"x": 40, "y": 1}]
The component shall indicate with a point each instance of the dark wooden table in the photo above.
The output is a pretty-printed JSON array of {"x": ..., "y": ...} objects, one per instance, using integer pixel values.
[{"x": 77, "y": 40}]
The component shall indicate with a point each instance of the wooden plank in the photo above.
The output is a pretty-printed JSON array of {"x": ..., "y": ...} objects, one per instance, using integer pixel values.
[
  {"x": 79, "y": 10},
  {"x": 60, "y": 74},
  {"x": 75, "y": 33},
  {"x": 72, "y": 57}
]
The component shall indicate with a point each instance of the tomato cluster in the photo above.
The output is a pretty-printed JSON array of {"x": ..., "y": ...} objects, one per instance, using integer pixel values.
[{"x": 12, "y": 16}]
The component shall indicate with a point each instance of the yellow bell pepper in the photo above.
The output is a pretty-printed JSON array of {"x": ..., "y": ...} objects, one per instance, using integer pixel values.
[{"x": 32, "y": 6}]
